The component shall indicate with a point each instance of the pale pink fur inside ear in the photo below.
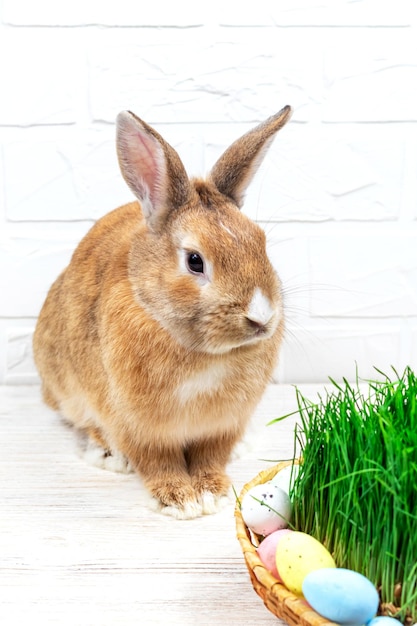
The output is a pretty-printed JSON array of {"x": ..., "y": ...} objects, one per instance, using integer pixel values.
[{"x": 142, "y": 162}]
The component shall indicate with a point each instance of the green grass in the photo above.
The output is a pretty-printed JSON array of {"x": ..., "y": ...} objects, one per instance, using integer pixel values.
[{"x": 357, "y": 488}]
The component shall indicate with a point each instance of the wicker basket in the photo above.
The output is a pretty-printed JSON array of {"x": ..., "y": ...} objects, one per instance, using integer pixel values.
[{"x": 281, "y": 602}]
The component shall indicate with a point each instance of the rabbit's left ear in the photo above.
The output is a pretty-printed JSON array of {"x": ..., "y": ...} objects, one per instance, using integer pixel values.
[
  {"x": 152, "y": 169},
  {"x": 235, "y": 169}
]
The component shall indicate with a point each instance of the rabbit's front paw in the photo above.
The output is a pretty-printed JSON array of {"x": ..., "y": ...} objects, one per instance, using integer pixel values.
[
  {"x": 212, "y": 503},
  {"x": 189, "y": 510},
  {"x": 212, "y": 488},
  {"x": 213, "y": 481},
  {"x": 177, "y": 500}
]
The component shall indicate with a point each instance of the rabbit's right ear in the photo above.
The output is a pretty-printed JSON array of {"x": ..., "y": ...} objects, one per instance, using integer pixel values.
[{"x": 151, "y": 168}]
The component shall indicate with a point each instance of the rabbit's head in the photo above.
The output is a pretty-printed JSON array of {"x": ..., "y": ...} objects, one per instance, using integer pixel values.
[{"x": 197, "y": 264}]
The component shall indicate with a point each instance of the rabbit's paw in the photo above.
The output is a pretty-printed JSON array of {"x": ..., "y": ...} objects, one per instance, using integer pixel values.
[
  {"x": 213, "y": 481},
  {"x": 213, "y": 503},
  {"x": 212, "y": 488},
  {"x": 111, "y": 460},
  {"x": 177, "y": 501},
  {"x": 188, "y": 510}
]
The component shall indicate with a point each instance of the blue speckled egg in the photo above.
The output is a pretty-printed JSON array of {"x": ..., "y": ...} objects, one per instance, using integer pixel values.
[
  {"x": 341, "y": 595},
  {"x": 383, "y": 621}
]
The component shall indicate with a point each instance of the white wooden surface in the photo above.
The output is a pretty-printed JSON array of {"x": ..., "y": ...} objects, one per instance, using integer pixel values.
[{"x": 79, "y": 546}]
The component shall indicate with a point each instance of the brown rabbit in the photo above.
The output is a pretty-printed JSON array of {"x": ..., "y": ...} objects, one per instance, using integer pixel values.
[{"x": 159, "y": 338}]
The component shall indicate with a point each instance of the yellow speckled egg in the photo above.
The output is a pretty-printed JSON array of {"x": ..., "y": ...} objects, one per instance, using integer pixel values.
[{"x": 297, "y": 555}]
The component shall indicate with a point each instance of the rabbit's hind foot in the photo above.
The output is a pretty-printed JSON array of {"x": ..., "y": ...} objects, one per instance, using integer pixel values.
[{"x": 99, "y": 455}]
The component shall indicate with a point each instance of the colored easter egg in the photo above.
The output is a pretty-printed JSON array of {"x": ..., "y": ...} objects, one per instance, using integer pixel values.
[
  {"x": 383, "y": 620},
  {"x": 268, "y": 548},
  {"x": 341, "y": 595},
  {"x": 285, "y": 478},
  {"x": 266, "y": 508},
  {"x": 297, "y": 555}
]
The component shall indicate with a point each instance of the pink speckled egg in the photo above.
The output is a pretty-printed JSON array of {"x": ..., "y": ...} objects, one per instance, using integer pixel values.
[{"x": 268, "y": 548}]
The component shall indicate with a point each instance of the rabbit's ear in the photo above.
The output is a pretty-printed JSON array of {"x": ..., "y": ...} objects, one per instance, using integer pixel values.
[
  {"x": 237, "y": 166},
  {"x": 151, "y": 168}
]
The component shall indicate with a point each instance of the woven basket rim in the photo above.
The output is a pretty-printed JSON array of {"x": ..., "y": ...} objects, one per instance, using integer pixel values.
[{"x": 277, "y": 598}]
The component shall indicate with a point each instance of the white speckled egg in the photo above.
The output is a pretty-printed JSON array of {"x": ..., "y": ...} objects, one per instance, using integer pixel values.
[
  {"x": 266, "y": 508},
  {"x": 285, "y": 478},
  {"x": 341, "y": 595}
]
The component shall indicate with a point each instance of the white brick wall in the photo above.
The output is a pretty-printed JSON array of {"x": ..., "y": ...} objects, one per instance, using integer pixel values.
[{"x": 337, "y": 194}]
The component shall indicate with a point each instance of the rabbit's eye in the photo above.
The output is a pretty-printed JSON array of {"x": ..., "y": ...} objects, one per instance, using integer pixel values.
[{"x": 195, "y": 263}]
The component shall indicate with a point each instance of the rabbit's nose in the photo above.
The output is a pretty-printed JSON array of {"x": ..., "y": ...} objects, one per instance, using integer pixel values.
[
  {"x": 256, "y": 327},
  {"x": 260, "y": 310}
]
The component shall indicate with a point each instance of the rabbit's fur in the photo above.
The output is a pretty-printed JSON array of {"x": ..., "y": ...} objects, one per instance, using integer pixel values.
[{"x": 159, "y": 338}]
